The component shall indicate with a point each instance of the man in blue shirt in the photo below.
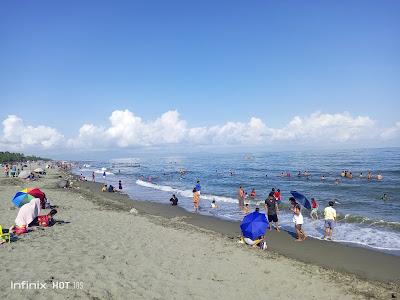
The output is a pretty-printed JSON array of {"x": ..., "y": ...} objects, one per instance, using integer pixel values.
[{"x": 198, "y": 186}]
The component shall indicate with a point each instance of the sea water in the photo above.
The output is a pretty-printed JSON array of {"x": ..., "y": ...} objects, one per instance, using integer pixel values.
[{"x": 363, "y": 217}]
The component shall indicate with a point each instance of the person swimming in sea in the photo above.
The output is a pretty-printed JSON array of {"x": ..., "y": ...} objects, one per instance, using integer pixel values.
[
  {"x": 253, "y": 193},
  {"x": 385, "y": 197}
]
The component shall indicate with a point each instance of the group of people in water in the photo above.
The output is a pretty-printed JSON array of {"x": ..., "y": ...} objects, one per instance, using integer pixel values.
[
  {"x": 343, "y": 174},
  {"x": 349, "y": 174},
  {"x": 272, "y": 206}
]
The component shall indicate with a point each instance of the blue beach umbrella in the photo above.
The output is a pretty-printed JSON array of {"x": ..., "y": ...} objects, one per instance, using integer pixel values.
[
  {"x": 254, "y": 225},
  {"x": 300, "y": 198}
]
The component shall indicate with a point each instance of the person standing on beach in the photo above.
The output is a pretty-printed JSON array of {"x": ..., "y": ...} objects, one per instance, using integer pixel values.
[
  {"x": 196, "y": 200},
  {"x": 330, "y": 217},
  {"x": 119, "y": 185},
  {"x": 93, "y": 177},
  {"x": 277, "y": 195},
  {"x": 241, "y": 195},
  {"x": 298, "y": 224},
  {"x": 198, "y": 186},
  {"x": 174, "y": 200},
  {"x": 104, "y": 176},
  {"x": 314, "y": 209},
  {"x": 271, "y": 208}
]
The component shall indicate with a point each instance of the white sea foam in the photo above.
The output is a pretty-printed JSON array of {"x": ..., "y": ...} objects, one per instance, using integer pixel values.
[
  {"x": 102, "y": 171},
  {"x": 185, "y": 193},
  {"x": 351, "y": 233}
]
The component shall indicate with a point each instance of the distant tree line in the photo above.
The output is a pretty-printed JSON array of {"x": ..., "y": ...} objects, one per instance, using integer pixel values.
[{"x": 18, "y": 157}]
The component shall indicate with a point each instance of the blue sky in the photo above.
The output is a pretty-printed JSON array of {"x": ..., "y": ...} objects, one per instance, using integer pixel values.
[{"x": 66, "y": 63}]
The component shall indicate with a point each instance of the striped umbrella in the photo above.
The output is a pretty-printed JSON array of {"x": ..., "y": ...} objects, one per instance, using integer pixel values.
[
  {"x": 22, "y": 198},
  {"x": 36, "y": 192}
]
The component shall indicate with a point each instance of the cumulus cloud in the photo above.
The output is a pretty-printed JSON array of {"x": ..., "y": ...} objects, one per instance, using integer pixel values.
[
  {"x": 392, "y": 132},
  {"x": 18, "y": 136},
  {"x": 125, "y": 130},
  {"x": 340, "y": 127}
]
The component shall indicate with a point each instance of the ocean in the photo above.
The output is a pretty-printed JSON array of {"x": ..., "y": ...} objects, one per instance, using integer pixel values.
[{"x": 364, "y": 219}]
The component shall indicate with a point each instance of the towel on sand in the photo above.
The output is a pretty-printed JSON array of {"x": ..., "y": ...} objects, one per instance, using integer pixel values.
[{"x": 28, "y": 212}]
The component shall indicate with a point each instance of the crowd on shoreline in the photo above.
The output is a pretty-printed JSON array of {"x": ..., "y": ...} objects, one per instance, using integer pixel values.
[{"x": 271, "y": 207}]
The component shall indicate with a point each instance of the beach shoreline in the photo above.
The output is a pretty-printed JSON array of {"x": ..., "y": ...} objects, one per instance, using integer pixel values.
[
  {"x": 167, "y": 252},
  {"x": 364, "y": 262}
]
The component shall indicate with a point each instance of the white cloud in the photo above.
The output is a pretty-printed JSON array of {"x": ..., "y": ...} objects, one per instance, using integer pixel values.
[
  {"x": 340, "y": 127},
  {"x": 125, "y": 129},
  {"x": 392, "y": 132},
  {"x": 18, "y": 136}
]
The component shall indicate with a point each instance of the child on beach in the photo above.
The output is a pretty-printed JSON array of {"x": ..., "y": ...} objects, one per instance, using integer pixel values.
[
  {"x": 213, "y": 204},
  {"x": 174, "y": 200},
  {"x": 246, "y": 209},
  {"x": 298, "y": 223},
  {"x": 198, "y": 186},
  {"x": 330, "y": 217},
  {"x": 196, "y": 200},
  {"x": 314, "y": 209},
  {"x": 241, "y": 196},
  {"x": 104, "y": 188}
]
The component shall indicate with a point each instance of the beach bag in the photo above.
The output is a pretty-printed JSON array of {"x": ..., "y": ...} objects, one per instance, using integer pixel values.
[{"x": 43, "y": 221}]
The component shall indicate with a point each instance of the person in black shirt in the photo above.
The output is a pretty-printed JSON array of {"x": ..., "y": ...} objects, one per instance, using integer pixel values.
[
  {"x": 271, "y": 208},
  {"x": 174, "y": 200}
]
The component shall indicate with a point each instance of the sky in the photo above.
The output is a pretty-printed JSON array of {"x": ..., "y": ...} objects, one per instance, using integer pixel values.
[{"x": 120, "y": 74}]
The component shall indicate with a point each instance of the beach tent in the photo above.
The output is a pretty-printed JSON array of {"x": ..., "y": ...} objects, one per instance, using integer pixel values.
[
  {"x": 24, "y": 174},
  {"x": 254, "y": 225},
  {"x": 300, "y": 198},
  {"x": 62, "y": 184}
]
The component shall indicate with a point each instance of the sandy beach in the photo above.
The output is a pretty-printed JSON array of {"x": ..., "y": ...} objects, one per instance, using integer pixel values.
[{"x": 104, "y": 251}]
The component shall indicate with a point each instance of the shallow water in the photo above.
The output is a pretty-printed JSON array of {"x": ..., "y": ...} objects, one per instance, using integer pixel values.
[{"x": 364, "y": 218}]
